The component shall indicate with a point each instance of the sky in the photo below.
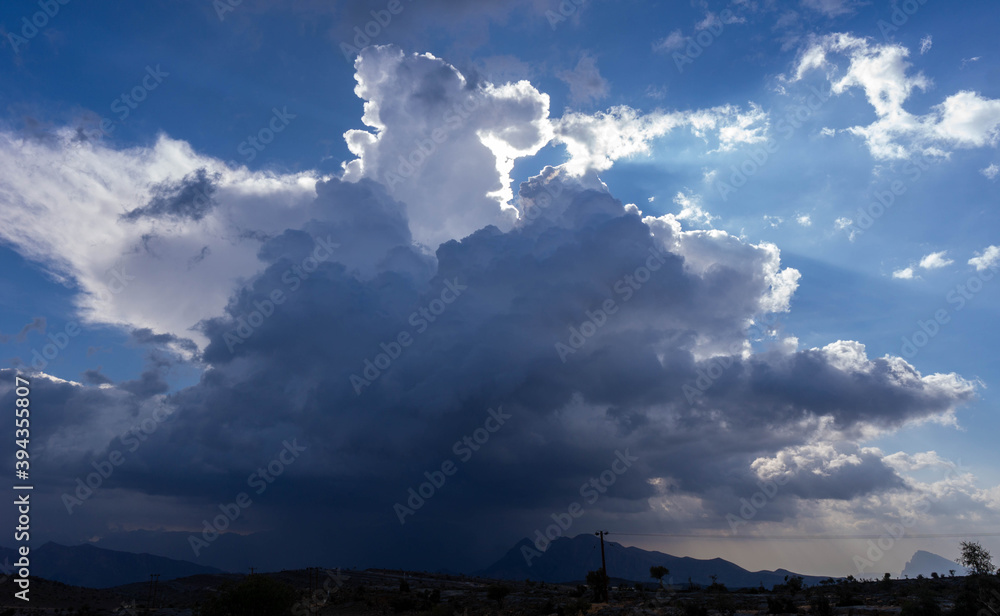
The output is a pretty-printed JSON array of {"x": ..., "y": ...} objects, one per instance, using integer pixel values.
[{"x": 397, "y": 283}]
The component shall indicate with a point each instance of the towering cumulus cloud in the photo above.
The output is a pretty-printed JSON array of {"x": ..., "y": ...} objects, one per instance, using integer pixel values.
[{"x": 383, "y": 313}]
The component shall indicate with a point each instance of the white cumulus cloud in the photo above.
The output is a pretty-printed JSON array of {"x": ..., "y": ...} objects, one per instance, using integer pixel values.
[
  {"x": 965, "y": 119},
  {"x": 936, "y": 260}
]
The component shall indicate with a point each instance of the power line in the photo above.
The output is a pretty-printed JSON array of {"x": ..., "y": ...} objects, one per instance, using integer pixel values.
[{"x": 905, "y": 535}]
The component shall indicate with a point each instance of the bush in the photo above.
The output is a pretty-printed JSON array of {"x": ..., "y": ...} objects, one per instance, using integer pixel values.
[
  {"x": 821, "y": 606},
  {"x": 724, "y": 604}
]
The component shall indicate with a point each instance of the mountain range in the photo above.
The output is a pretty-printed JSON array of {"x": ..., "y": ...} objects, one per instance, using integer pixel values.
[
  {"x": 565, "y": 560},
  {"x": 93, "y": 567},
  {"x": 569, "y": 560},
  {"x": 925, "y": 563}
]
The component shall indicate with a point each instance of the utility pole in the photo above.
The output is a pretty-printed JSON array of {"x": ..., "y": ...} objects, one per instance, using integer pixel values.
[
  {"x": 604, "y": 565},
  {"x": 154, "y": 578},
  {"x": 313, "y": 586}
]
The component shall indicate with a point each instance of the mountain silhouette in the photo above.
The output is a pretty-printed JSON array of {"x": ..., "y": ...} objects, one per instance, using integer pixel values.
[
  {"x": 924, "y": 563},
  {"x": 569, "y": 560},
  {"x": 93, "y": 567}
]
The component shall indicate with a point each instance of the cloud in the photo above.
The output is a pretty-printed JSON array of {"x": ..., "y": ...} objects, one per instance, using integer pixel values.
[
  {"x": 804, "y": 219},
  {"x": 844, "y": 223},
  {"x": 62, "y": 208},
  {"x": 672, "y": 42},
  {"x": 963, "y": 120},
  {"x": 926, "y": 43},
  {"x": 831, "y": 8},
  {"x": 527, "y": 289},
  {"x": 595, "y": 142},
  {"x": 673, "y": 368},
  {"x": 692, "y": 209},
  {"x": 906, "y": 273},
  {"x": 423, "y": 116},
  {"x": 935, "y": 260},
  {"x": 585, "y": 81},
  {"x": 37, "y": 324},
  {"x": 191, "y": 198},
  {"x": 991, "y": 171},
  {"x": 988, "y": 259},
  {"x": 94, "y": 377}
]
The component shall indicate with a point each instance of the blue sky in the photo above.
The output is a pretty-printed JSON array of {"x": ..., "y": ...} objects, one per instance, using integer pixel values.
[{"x": 759, "y": 139}]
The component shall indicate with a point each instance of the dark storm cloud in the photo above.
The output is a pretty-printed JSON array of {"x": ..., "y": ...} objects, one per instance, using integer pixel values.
[
  {"x": 494, "y": 345},
  {"x": 190, "y": 198},
  {"x": 94, "y": 377},
  {"x": 146, "y": 335}
]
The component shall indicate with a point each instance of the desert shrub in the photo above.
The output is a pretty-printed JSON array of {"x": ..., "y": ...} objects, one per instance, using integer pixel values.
[
  {"x": 724, "y": 604},
  {"x": 821, "y": 606}
]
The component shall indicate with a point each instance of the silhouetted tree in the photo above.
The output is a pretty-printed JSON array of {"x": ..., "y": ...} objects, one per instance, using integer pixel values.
[
  {"x": 976, "y": 558},
  {"x": 598, "y": 582},
  {"x": 658, "y": 571}
]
